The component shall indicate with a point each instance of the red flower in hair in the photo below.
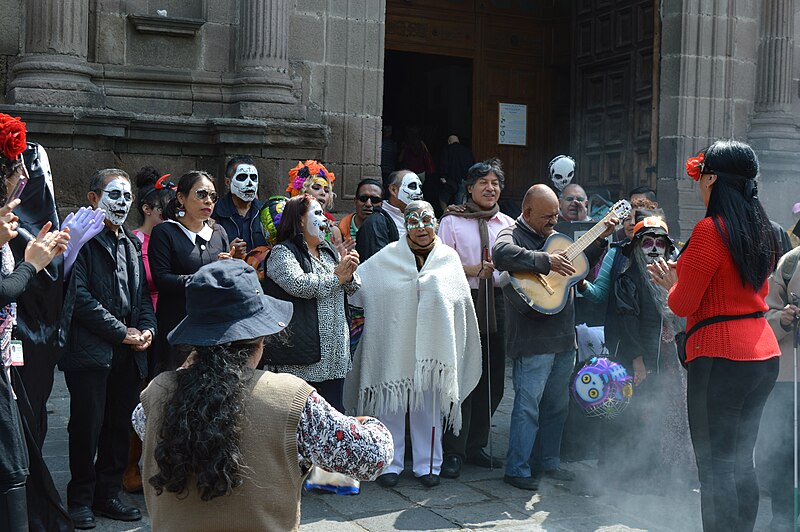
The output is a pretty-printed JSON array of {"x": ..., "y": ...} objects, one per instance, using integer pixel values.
[
  {"x": 694, "y": 166},
  {"x": 13, "y": 139}
]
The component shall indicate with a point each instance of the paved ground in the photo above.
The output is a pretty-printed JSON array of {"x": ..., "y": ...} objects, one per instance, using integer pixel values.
[{"x": 478, "y": 500}]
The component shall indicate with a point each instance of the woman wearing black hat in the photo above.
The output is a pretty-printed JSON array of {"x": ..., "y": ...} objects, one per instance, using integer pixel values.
[{"x": 222, "y": 427}]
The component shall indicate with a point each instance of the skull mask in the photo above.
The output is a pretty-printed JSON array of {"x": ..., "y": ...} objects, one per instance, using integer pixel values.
[
  {"x": 316, "y": 223},
  {"x": 654, "y": 247},
  {"x": 116, "y": 200},
  {"x": 562, "y": 170},
  {"x": 410, "y": 189},
  {"x": 244, "y": 183}
]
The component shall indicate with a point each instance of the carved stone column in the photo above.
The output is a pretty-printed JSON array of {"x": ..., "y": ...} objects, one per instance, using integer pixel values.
[
  {"x": 262, "y": 87},
  {"x": 773, "y": 131},
  {"x": 53, "y": 69}
]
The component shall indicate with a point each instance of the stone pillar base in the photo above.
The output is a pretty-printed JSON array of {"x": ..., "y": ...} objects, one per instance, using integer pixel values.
[
  {"x": 264, "y": 94},
  {"x": 53, "y": 80}
]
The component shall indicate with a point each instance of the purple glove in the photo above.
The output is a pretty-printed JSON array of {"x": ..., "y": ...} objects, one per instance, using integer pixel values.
[{"x": 83, "y": 226}]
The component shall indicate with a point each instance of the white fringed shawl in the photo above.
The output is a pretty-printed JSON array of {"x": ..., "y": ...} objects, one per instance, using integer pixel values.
[{"x": 420, "y": 333}]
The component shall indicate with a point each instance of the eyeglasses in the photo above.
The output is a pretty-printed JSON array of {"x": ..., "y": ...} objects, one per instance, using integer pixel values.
[
  {"x": 117, "y": 194},
  {"x": 374, "y": 199},
  {"x": 202, "y": 194},
  {"x": 570, "y": 199},
  {"x": 660, "y": 242}
]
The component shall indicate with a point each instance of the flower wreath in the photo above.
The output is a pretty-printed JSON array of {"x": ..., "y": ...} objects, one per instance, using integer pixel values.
[
  {"x": 303, "y": 171},
  {"x": 695, "y": 165},
  {"x": 13, "y": 139}
]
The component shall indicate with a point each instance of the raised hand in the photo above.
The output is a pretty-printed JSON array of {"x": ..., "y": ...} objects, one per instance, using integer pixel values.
[
  {"x": 8, "y": 222},
  {"x": 83, "y": 226},
  {"x": 46, "y": 246}
]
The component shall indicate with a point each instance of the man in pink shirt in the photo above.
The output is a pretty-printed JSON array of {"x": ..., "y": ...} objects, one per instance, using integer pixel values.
[{"x": 472, "y": 234}]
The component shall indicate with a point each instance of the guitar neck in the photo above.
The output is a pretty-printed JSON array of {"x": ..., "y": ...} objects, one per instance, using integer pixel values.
[{"x": 586, "y": 239}]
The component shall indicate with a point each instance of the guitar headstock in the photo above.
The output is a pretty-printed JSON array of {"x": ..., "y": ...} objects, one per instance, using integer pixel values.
[{"x": 620, "y": 209}]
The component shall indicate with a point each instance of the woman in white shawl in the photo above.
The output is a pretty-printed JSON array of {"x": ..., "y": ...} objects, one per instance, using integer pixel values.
[{"x": 420, "y": 351}]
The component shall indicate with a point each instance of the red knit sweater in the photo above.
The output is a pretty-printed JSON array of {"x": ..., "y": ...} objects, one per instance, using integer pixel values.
[{"x": 709, "y": 285}]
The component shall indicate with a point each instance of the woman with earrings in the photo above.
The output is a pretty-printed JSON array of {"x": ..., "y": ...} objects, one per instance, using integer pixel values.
[
  {"x": 719, "y": 284},
  {"x": 187, "y": 240}
]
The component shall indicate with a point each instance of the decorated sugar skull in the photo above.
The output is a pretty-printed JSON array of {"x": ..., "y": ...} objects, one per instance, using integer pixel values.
[
  {"x": 602, "y": 388},
  {"x": 562, "y": 170},
  {"x": 410, "y": 188},
  {"x": 651, "y": 234},
  {"x": 244, "y": 183}
]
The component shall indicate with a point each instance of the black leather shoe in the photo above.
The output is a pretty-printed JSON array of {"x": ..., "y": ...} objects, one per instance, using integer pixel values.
[
  {"x": 82, "y": 517},
  {"x": 429, "y": 481},
  {"x": 484, "y": 460},
  {"x": 451, "y": 466},
  {"x": 117, "y": 510},
  {"x": 523, "y": 483},
  {"x": 560, "y": 474},
  {"x": 388, "y": 480}
]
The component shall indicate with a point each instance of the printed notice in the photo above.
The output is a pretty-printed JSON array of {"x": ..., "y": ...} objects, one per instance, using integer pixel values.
[{"x": 513, "y": 124}]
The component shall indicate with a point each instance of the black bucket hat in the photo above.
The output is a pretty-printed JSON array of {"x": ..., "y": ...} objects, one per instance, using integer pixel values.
[{"x": 225, "y": 303}]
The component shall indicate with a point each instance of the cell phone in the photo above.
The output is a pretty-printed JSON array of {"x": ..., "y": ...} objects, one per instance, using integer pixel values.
[{"x": 20, "y": 186}]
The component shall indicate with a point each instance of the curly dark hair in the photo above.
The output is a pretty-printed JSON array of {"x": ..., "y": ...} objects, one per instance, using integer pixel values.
[{"x": 202, "y": 424}]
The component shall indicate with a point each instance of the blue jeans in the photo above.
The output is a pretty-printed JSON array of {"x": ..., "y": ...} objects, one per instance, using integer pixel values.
[{"x": 541, "y": 401}]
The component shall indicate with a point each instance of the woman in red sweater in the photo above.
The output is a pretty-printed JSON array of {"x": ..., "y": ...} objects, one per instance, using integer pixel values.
[{"x": 733, "y": 363}]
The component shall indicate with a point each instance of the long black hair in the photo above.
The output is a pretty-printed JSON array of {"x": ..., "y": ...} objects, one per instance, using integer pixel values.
[
  {"x": 148, "y": 194},
  {"x": 290, "y": 227},
  {"x": 745, "y": 227},
  {"x": 201, "y": 433},
  {"x": 185, "y": 185}
]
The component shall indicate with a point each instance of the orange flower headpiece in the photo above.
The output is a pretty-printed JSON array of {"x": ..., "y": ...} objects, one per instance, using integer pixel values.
[
  {"x": 13, "y": 139},
  {"x": 694, "y": 166},
  {"x": 303, "y": 171}
]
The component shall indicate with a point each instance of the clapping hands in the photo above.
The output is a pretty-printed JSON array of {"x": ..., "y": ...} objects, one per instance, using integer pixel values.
[
  {"x": 82, "y": 226},
  {"x": 347, "y": 267},
  {"x": 41, "y": 251}
]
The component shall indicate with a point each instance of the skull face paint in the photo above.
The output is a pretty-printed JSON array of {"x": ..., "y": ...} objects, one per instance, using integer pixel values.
[
  {"x": 316, "y": 223},
  {"x": 116, "y": 199},
  {"x": 562, "y": 170},
  {"x": 244, "y": 183},
  {"x": 410, "y": 189},
  {"x": 654, "y": 247}
]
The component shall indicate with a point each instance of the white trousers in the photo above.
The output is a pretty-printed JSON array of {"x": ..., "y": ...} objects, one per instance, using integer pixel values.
[{"x": 420, "y": 423}]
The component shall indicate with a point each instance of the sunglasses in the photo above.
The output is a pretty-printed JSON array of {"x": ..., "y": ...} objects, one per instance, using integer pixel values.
[
  {"x": 117, "y": 194},
  {"x": 374, "y": 199},
  {"x": 570, "y": 199},
  {"x": 202, "y": 194},
  {"x": 660, "y": 242}
]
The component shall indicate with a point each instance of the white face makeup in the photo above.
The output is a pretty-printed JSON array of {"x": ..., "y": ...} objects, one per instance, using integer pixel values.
[
  {"x": 654, "y": 247},
  {"x": 410, "y": 189},
  {"x": 116, "y": 199},
  {"x": 316, "y": 223},
  {"x": 244, "y": 183}
]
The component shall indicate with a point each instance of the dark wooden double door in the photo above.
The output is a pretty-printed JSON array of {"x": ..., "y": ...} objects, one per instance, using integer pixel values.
[{"x": 583, "y": 68}]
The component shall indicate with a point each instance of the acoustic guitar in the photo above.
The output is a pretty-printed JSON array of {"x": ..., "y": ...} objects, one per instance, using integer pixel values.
[{"x": 548, "y": 294}]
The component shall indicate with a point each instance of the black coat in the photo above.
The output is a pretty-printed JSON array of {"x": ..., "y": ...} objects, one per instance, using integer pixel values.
[
  {"x": 223, "y": 214},
  {"x": 89, "y": 330},
  {"x": 375, "y": 233},
  {"x": 173, "y": 260}
]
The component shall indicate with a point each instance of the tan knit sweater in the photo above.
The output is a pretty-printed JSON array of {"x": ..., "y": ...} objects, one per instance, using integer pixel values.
[{"x": 269, "y": 499}]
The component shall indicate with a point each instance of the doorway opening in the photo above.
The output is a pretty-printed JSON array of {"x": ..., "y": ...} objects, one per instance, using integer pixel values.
[{"x": 429, "y": 93}]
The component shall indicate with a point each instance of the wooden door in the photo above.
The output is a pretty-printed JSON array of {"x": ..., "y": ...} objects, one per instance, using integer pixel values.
[
  {"x": 613, "y": 93},
  {"x": 520, "y": 53}
]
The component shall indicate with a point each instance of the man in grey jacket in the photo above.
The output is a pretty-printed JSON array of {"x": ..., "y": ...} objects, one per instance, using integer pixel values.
[{"x": 542, "y": 346}]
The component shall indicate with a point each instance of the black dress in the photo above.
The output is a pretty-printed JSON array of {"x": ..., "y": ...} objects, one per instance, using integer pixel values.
[{"x": 173, "y": 259}]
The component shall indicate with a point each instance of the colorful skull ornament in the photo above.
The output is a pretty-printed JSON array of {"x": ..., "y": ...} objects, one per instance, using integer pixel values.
[{"x": 602, "y": 388}]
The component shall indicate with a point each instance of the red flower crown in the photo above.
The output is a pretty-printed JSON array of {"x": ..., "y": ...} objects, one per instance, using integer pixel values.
[
  {"x": 694, "y": 166},
  {"x": 13, "y": 139}
]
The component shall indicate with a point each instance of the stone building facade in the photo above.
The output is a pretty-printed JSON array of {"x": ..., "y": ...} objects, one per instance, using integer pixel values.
[{"x": 113, "y": 83}]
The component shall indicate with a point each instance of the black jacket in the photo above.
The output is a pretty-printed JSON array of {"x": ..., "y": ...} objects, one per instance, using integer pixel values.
[
  {"x": 89, "y": 331},
  {"x": 223, "y": 215},
  {"x": 375, "y": 233}
]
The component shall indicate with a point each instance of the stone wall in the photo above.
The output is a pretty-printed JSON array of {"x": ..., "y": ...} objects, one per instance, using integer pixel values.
[{"x": 336, "y": 47}]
